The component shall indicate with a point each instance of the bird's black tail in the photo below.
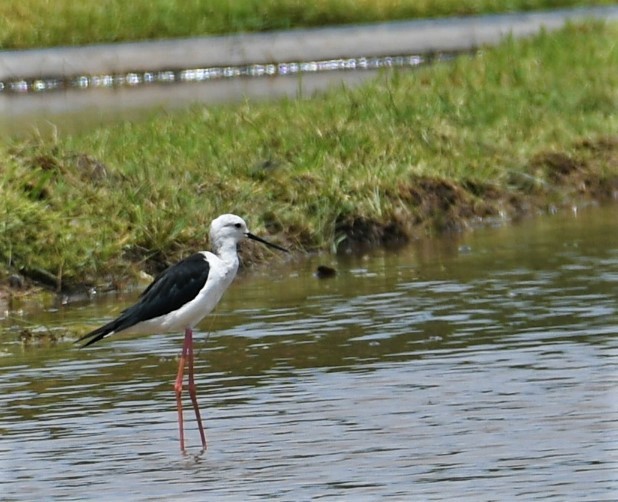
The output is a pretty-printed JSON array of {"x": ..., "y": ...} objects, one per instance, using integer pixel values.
[{"x": 98, "y": 334}]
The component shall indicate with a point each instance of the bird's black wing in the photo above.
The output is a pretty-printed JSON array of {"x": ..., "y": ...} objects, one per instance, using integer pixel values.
[{"x": 174, "y": 287}]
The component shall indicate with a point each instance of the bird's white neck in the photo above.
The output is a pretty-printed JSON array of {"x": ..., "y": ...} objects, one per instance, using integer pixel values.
[{"x": 227, "y": 252}]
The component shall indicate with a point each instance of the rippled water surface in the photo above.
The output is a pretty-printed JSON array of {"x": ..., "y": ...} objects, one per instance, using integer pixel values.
[{"x": 479, "y": 366}]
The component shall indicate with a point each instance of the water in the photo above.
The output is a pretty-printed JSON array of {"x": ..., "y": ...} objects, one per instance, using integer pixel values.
[
  {"x": 72, "y": 103},
  {"x": 472, "y": 367},
  {"x": 73, "y": 109}
]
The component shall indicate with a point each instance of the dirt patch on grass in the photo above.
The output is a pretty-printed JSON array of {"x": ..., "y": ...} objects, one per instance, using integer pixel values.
[
  {"x": 424, "y": 206},
  {"x": 433, "y": 205}
]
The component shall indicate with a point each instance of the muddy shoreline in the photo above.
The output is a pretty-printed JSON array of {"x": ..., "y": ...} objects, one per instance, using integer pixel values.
[{"x": 434, "y": 206}]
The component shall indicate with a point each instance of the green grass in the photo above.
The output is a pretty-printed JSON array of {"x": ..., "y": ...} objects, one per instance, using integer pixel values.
[
  {"x": 453, "y": 140},
  {"x": 43, "y": 23}
]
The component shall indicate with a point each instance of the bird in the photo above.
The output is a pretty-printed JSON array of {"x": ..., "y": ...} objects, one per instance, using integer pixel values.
[{"x": 180, "y": 297}]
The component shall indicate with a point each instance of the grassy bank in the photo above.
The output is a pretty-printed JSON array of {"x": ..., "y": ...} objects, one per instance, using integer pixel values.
[
  {"x": 40, "y": 23},
  {"x": 524, "y": 125}
]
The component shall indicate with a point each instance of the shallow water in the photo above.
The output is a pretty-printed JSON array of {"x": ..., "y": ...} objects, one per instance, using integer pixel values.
[{"x": 479, "y": 366}]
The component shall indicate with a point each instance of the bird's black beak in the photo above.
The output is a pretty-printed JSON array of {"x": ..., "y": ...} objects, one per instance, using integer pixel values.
[{"x": 270, "y": 244}]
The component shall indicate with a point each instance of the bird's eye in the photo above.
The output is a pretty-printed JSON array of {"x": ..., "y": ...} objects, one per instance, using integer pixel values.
[{"x": 237, "y": 225}]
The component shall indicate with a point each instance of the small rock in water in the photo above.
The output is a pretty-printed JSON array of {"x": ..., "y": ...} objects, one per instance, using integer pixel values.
[{"x": 324, "y": 272}]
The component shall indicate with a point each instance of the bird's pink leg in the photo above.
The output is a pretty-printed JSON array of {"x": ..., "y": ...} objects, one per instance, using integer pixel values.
[
  {"x": 192, "y": 392},
  {"x": 178, "y": 386}
]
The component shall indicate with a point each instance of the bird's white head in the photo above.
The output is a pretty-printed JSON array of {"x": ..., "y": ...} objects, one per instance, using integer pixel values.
[{"x": 229, "y": 229}]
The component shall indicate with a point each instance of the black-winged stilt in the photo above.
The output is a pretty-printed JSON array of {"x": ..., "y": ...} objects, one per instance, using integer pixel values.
[{"x": 181, "y": 296}]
